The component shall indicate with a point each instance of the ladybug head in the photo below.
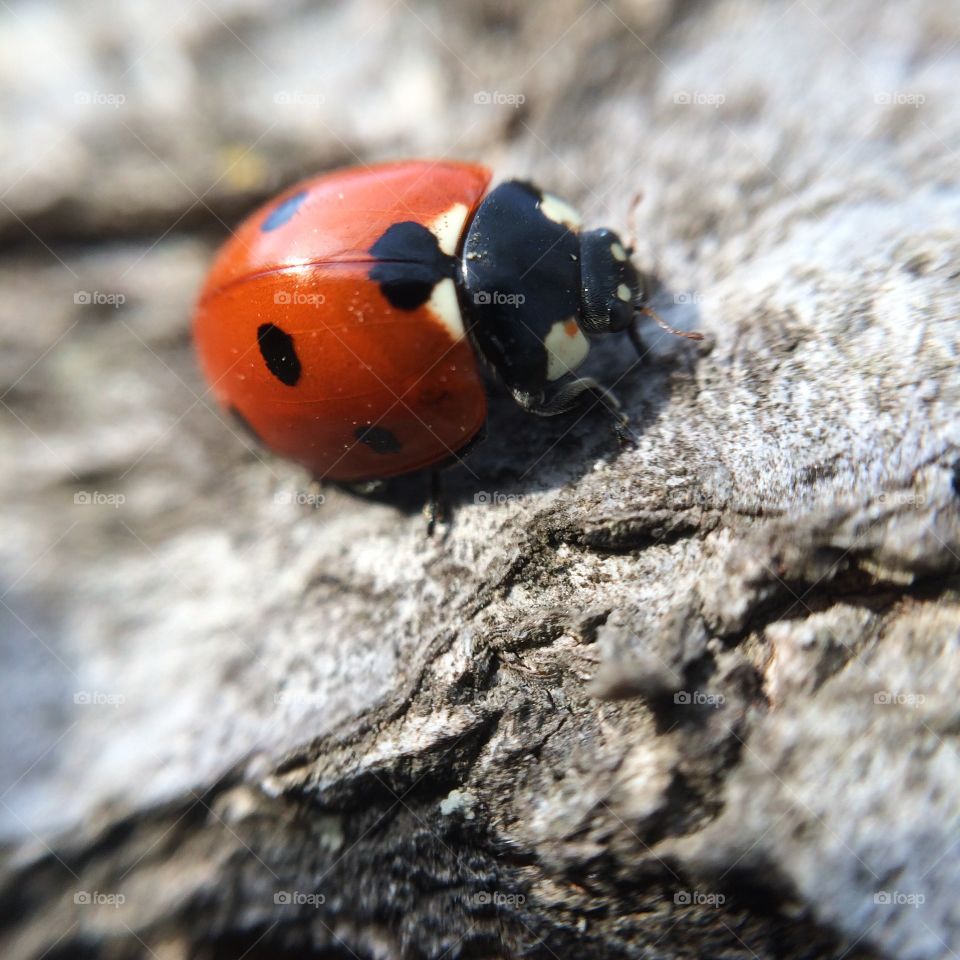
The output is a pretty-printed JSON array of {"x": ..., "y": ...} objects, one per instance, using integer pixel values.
[{"x": 611, "y": 288}]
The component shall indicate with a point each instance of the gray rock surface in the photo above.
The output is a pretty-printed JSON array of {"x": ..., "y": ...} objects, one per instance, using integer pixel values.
[{"x": 691, "y": 699}]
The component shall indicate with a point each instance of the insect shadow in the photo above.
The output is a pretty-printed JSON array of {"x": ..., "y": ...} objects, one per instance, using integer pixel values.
[{"x": 519, "y": 454}]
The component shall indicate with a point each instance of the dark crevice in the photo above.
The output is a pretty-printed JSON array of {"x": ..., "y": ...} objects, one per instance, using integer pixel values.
[{"x": 797, "y": 599}]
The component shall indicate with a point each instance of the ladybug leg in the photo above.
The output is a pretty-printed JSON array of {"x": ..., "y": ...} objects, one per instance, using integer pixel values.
[
  {"x": 365, "y": 487},
  {"x": 574, "y": 394},
  {"x": 435, "y": 509},
  {"x": 642, "y": 351}
]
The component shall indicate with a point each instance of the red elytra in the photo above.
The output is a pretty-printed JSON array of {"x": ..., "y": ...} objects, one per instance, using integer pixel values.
[{"x": 295, "y": 337}]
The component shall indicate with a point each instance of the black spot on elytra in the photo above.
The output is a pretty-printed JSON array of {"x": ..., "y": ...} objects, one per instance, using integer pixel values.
[
  {"x": 284, "y": 212},
  {"x": 279, "y": 354},
  {"x": 409, "y": 264},
  {"x": 378, "y": 439}
]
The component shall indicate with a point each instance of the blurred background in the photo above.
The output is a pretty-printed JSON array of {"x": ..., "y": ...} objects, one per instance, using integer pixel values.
[{"x": 164, "y": 585}]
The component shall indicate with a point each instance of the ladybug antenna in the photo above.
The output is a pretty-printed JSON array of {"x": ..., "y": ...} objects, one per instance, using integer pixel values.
[
  {"x": 640, "y": 305},
  {"x": 643, "y": 310}
]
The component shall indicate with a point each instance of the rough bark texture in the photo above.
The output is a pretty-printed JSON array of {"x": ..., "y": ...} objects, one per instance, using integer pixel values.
[{"x": 696, "y": 698}]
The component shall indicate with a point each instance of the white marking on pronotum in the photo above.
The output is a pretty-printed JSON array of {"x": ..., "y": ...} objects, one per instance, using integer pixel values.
[
  {"x": 444, "y": 306},
  {"x": 618, "y": 252},
  {"x": 448, "y": 227},
  {"x": 623, "y": 292},
  {"x": 566, "y": 348},
  {"x": 559, "y": 211}
]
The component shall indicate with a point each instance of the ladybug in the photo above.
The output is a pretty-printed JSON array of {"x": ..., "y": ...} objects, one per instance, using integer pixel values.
[{"x": 342, "y": 322}]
